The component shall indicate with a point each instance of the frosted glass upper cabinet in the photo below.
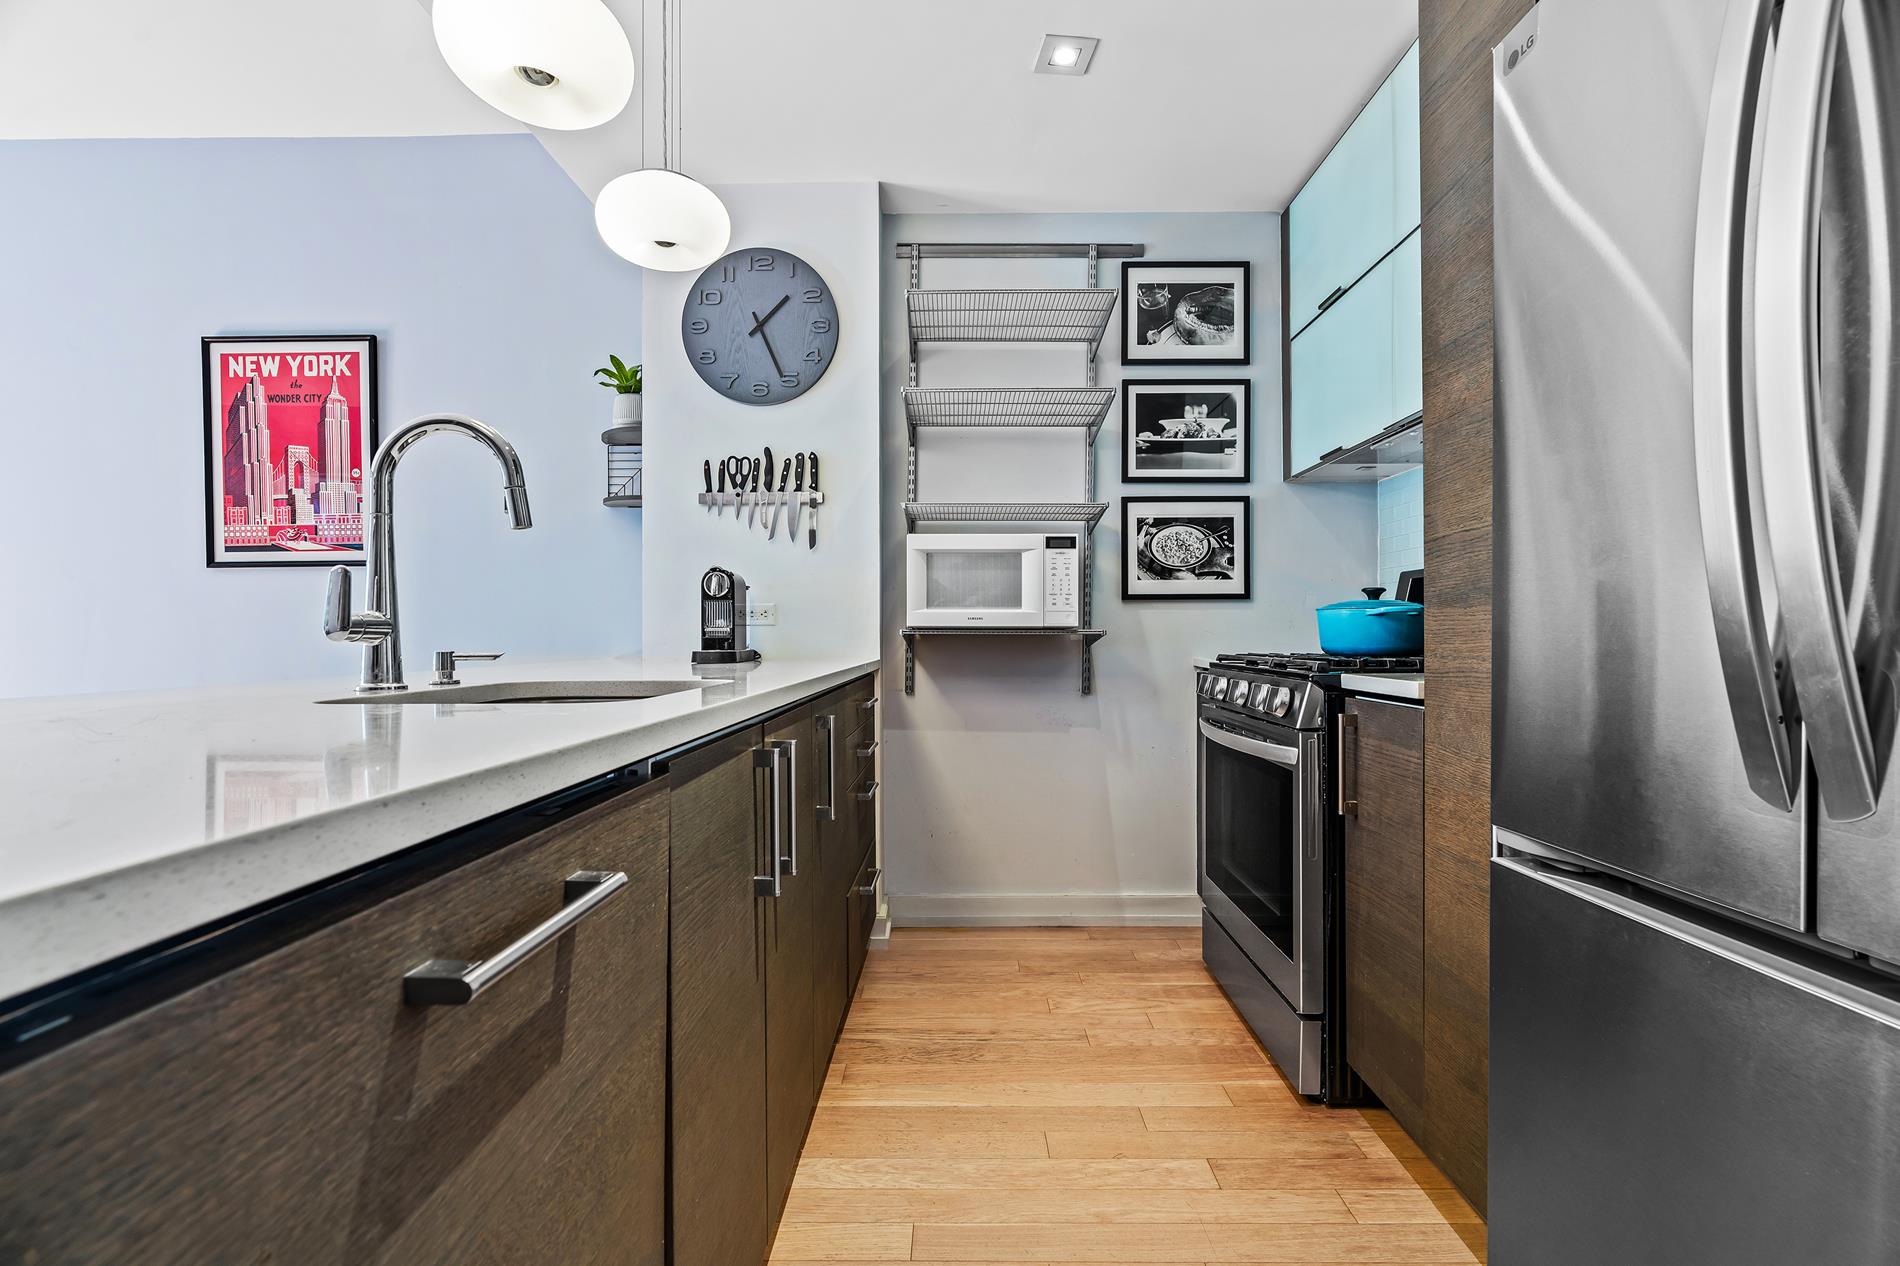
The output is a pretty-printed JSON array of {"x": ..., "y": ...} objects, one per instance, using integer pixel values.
[
  {"x": 1345, "y": 382},
  {"x": 1360, "y": 203}
]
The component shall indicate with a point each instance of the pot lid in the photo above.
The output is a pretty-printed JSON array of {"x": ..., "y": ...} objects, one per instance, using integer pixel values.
[{"x": 1372, "y": 603}]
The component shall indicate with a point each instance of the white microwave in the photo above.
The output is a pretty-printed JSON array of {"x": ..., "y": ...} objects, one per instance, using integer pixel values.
[{"x": 1016, "y": 581}]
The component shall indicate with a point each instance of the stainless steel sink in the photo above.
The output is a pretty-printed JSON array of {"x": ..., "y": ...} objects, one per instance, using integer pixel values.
[{"x": 616, "y": 691}]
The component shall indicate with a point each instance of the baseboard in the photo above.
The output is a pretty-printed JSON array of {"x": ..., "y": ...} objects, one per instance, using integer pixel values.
[{"x": 1044, "y": 909}]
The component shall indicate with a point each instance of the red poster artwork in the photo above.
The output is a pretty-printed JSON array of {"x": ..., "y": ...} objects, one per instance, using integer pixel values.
[{"x": 289, "y": 429}]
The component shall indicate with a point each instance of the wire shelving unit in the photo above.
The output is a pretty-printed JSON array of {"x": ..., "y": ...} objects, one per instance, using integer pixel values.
[{"x": 1003, "y": 315}]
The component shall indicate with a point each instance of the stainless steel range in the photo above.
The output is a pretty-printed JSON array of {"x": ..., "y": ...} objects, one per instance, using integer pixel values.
[{"x": 1269, "y": 851}]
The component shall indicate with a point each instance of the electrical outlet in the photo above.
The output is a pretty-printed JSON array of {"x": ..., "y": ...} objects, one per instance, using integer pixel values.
[{"x": 757, "y": 613}]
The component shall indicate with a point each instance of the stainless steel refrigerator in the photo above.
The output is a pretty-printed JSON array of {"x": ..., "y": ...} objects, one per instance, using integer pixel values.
[{"x": 1695, "y": 1011}]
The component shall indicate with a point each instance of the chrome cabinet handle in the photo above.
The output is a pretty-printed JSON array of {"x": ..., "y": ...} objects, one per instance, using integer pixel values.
[
  {"x": 790, "y": 748},
  {"x": 869, "y": 887},
  {"x": 830, "y": 807},
  {"x": 1788, "y": 354},
  {"x": 867, "y": 749},
  {"x": 870, "y": 792},
  {"x": 1348, "y": 724},
  {"x": 869, "y": 705},
  {"x": 1741, "y": 586},
  {"x": 450, "y": 982},
  {"x": 771, "y": 884}
]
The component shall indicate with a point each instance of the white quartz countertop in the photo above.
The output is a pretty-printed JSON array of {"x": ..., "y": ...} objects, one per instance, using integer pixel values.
[
  {"x": 128, "y": 818},
  {"x": 1388, "y": 685}
]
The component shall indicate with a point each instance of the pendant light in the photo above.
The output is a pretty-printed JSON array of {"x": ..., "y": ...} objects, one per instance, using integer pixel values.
[
  {"x": 561, "y": 64},
  {"x": 658, "y": 217}
]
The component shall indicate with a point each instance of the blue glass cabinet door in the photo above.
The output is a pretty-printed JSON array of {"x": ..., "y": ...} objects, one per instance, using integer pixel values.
[
  {"x": 1343, "y": 371},
  {"x": 1341, "y": 222}
]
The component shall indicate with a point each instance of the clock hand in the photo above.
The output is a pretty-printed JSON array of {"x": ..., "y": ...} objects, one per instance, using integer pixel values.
[
  {"x": 758, "y": 320},
  {"x": 759, "y": 330}
]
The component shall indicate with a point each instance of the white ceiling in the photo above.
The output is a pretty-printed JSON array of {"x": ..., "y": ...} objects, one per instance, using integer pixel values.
[{"x": 1190, "y": 105}]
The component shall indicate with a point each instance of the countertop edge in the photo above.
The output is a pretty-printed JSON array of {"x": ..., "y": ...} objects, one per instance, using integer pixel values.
[
  {"x": 50, "y": 934},
  {"x": 1407, "y": 687}
]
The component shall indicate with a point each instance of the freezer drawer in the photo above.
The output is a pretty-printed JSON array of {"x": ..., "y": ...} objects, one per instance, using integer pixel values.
[{"x": 1665, "y": 1091}]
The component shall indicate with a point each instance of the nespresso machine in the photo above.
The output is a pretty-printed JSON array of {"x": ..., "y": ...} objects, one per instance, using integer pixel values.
[{"x": 722, "y": 620}]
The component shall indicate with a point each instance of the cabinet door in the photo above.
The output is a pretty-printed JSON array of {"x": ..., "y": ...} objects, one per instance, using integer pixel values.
[
  {"x": 1408, "y": 331},
  {"x": 790, "y": 929},
  {"x": 1341, "y": 221},
  {"x": 1342, "y": 371},
  {"x": 835, "y": 829},
  {"x": 294, "y": 1109},
  {"x": 1403, "y": 86},
  {"x": 1384, "y": 789},
  {"x": 717, "y": 1082}
]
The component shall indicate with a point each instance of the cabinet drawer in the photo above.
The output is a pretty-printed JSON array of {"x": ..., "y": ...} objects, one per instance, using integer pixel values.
[
  {"x": 296, "y": 1109},
  {"x": 862, "y": 915},
  {"x": 865, "y": 792},
  {"x": 860, "y": 707}
]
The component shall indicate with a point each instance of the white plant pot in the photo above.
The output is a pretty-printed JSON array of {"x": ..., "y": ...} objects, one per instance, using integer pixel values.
[{"x": 626, "y": 409}]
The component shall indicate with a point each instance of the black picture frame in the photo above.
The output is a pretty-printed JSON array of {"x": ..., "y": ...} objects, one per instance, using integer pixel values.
[
  {"x": 1139, "y": 588},
  {"x": 1136, "y": 315},
  {"x": 1133, "y": 389},
  {"x": 211, "y": 427}
]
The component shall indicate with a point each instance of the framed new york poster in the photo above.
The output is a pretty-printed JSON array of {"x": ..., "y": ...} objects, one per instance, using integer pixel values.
[{"x": 289, "y": 429}]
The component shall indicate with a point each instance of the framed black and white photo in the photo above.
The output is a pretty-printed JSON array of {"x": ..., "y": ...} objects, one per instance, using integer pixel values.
[
  {"x": 1179, "y": 429},
  {"x": 1186, "y": 547},
  {"x": 1184, "y": 314}
]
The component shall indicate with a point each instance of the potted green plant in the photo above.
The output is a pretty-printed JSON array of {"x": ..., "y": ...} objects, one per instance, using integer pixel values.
[{"x": 624, "y": 381}]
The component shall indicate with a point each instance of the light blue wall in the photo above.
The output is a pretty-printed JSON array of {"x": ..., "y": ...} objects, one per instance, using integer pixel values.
[
  {"x": 472, "y": 258},
  {"x": 1401, "y": 527}
]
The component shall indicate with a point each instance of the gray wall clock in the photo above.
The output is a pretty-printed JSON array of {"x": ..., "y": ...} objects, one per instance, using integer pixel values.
[{"x": 760, "y": 326}]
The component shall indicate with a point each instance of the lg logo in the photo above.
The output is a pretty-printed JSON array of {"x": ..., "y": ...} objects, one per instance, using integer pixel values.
[{"x": 1518, "y": 54}]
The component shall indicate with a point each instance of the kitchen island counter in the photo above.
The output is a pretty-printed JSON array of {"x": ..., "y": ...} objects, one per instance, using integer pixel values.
[{"x": 131, "y": 818}]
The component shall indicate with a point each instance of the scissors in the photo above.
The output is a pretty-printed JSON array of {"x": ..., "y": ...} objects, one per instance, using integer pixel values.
[{"x": 738, "y": 474}]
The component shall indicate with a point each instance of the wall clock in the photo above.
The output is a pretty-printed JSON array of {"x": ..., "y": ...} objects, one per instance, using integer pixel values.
[{"x": 760, "y": 326}]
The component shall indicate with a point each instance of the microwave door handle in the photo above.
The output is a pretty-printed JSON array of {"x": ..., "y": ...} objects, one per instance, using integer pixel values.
[
  {"x": 1278, "y": 753},
  {"x": 1728, "y": 488},
  {"x": 1788, "y": 382}
]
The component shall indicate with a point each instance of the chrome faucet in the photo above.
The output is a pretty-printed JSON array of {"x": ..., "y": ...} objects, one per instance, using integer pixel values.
[{"x": 378, "y": 628}]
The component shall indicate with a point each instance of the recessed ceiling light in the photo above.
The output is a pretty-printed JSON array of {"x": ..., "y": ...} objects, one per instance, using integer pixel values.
[{"x": 1066, "y": 54}]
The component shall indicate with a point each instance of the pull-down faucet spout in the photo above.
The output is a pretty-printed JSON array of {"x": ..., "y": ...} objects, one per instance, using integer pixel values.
[{"x": 378, "y": 627}]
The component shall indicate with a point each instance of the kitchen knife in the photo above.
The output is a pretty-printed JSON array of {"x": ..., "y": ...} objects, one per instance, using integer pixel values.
[
  {"x": 722, "y": 489},
  {"x": 798, "y": 486},
  {"x": 706, "y": 467},
  {"x": 768, "y": 487},
  {"x": 754, "y": 500},
  {"x": 784, "y": 488},
  {"x": 811, "y": 540}
]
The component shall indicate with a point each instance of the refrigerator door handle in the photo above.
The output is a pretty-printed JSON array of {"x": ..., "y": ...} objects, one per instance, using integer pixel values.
[
  {"x": 1742, "y": 593},
  {"x": 1788, "y": 364}
]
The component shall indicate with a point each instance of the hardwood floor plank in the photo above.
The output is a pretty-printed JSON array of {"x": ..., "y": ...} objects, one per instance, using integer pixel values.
[
  {"x": 1391, "y": 1204},
  {"x": 814, "y": 1204},
  {"x": 1251, "y": 1118},
  {"x": 1124, "y": 1035},
  {"x": 1139, "y": 1242},
  {"x": 1264, "y": 1243},
  {"x": 1205, "y": 1144},
  {"x": 842, "y": 1242},
  {"x": 1303, "y": 1175},
  {"x": 1028, "y": 1092},
  {"x": 952, "y": 1120},
  {"x": 1005, "y": 1175},
  {"x": 871, "y": 1144},
  {"x": 1156, "y": 933}
]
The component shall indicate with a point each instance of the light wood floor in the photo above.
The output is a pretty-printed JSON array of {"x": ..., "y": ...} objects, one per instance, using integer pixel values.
[{"x": 1079, "y": 1096}]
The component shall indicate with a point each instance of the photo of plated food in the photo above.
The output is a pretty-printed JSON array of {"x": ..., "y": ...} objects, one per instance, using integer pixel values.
[
  {"x": 1185, "y": 429},
  {"x": 1188, "y": 547},
  {"x": 1184, "y": 314}
]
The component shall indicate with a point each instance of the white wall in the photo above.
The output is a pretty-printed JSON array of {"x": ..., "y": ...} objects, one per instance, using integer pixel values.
[
  {"x": 828, "y": 597},
  {"x": 475, "y": 262},
  {"x": 1010, "y": 797}
]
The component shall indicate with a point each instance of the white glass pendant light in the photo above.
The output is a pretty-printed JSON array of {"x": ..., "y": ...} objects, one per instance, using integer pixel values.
[
  {"x": 562, "y": 64},
  {"x": 658, "y": 217}
]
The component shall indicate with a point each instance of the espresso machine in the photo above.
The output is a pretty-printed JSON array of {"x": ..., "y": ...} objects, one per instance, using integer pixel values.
[{"x": 722, "y": 637}]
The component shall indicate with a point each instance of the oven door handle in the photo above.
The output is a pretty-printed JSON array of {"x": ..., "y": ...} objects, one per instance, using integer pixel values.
[{"x": 1278, "y": 753}]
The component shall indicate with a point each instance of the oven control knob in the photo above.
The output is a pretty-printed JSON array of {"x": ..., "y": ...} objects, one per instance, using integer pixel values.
[
  {"x": 1217, "y": 688},
  {"x": 1281, "y": 701},
  {"x": 1203, "y": 682},
  {"x": 1261, "y": 693}
]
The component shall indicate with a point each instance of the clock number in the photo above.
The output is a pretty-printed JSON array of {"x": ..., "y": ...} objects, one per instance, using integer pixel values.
[
  {"x": 760, "y": 264},
  {"x": 707, "y": 356},
  {"x": 813, "y": 356},
  {"x": 821, "y": 326},
  {"x": 814, "y": 295},
  {"x": 788, "y": 380},
  {"x": 760, "y": 389},
  {"x": 699, "y": 325},
  {"x": 709, "y": 298},
  {"x": 728, "y": 273},
  {"x": 732, "y": 380}
]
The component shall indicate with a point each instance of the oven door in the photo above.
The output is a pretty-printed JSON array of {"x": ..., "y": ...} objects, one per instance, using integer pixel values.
[{"x": 1261, "y": 833}]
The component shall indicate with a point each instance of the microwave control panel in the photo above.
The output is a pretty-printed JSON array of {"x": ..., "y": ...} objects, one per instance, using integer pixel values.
[{"x": 1061, "y": 571}]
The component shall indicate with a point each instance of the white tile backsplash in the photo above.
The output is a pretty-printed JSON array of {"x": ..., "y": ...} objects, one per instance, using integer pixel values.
[{"x": 1401, "y": 527}]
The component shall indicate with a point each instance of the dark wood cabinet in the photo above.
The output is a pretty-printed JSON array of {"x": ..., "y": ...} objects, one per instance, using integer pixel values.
[
  {"x": 294, "y": 1109},
  {"x": 790, "y": 929},
  {"x": 717, "y": 1076},
  {"x": 1383, "y": 776},
  {"x": 834, "y": 728}
]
